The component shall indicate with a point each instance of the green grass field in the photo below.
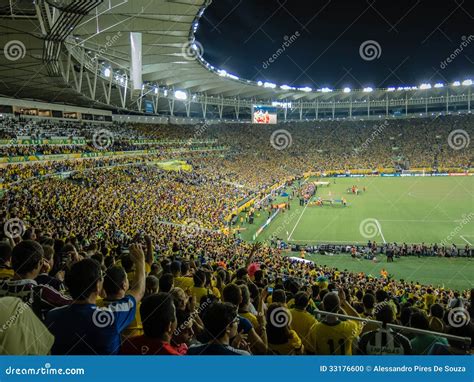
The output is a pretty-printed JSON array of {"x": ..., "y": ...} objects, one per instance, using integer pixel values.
[
  {"x": 447, "y": 272},
  {"x": 411, "y": 210}
]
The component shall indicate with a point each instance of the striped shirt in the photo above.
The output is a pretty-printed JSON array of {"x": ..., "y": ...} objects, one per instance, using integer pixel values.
[
  {"x": 384, "y": 342},
  {"x": 41, "y": 298}
]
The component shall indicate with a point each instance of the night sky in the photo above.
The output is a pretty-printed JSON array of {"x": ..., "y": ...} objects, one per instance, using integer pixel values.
[{"x": 415, "y": 39}]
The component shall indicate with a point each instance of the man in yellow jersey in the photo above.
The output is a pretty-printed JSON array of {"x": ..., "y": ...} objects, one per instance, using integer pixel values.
[
  {"x": 332, "y": 336},
  {"x": 199, "y": 290},
  {"x": 301, "y": 320},
  {"x": 180, "y": 272}
]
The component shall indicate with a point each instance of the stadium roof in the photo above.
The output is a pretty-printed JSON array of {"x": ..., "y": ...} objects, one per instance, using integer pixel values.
[{"x": 78, "y": 52}]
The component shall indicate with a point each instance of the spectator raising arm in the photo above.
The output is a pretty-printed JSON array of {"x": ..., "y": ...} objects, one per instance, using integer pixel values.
[
  {"x": 138, "y": 258},
  {"x": 348, "y": 309}
]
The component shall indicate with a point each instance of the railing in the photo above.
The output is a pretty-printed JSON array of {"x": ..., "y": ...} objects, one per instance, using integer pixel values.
[
  {"x": 102, "y": 154},
  {"x": 466, "y": 341}
]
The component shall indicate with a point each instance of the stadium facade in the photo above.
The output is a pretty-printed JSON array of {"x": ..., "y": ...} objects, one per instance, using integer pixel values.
[{"x": 142, "y": 58}]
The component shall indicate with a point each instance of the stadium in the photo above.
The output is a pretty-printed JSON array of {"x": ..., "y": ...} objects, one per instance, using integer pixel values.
[{"x": 154, "y": 202}]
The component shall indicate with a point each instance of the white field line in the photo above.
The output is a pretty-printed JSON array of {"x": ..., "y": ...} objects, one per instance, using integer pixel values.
[
  {"x": 380, "y": 231},
  {"x": 330, "y": 241},
  {"x": 297, "y": 222},
  {"x": 304, "y": 209},
  {"x": 420, "y": 221},
  {"x": 467, "y": 241}
]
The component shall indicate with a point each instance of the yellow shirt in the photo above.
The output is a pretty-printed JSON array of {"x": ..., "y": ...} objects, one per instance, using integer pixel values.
[
  {"x": 199, "y": 293},
  {"x": 253, "y": 320},
  {"x": 216, "y": 292},
  {"x": 185, "y": 283},
  {"x": 291, "y": 347},
  {"x": 333, "y": 339},
  {"x": 131, "y": 275},
  {"x": 301, "y": 323},
  {"x": 6, "y": 273},
  {"x": 430, "y": 299}
]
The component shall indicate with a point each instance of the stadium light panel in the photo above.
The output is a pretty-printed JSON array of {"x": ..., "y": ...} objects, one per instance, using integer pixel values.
[
  {"x": 222, "y": 73},
  {"x": 306, "y": 89},
  {"x": 368, "y": 90},
  {"x": 347, "y": 90},
  {"x": 107, "y": 72},
  {"x": 156, "y": 90},
  {"x": 326, "y": 90},
  {"x": 439, "y": 85},
  {"x": 467, "y": 83},
  {"x": 165, "y": 92},
  {"x": 285, "y": 87},
  {"x": 425, "y": 86},
  {"x": 259, "y": 83},
  {"x": 456, "y": 83},
  {"x": 391, "y": 89}
]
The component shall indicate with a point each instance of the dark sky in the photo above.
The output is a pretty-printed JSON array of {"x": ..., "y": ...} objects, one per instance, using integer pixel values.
[{"x": 415, "y": 38}]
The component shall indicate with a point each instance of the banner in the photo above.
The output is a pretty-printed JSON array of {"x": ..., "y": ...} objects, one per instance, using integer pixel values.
[
  {"x": 36, "y": 142},
  {"x": 101, "y": 154},
  {"x": 174, "y": 166},
  {"x": 261, "y": 368}
]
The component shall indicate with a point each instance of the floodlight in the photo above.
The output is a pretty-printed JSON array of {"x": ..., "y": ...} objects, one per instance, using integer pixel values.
[
  {"x": 180, "y": 95},
  {"x": 269, "y": 85}
]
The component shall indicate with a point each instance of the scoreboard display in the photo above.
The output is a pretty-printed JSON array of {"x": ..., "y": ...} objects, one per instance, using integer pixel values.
[{"x": 264, "y": 115}]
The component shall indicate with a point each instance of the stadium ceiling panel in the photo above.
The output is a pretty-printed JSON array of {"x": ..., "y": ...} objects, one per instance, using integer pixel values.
[{"x": 91, "y": 64}]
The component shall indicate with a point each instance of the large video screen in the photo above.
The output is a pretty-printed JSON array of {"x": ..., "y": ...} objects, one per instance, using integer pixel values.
[{"x": 266, "y": 115}]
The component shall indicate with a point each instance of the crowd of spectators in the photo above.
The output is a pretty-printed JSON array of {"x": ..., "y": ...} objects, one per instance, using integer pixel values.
[{"x": 136, "y": 260}]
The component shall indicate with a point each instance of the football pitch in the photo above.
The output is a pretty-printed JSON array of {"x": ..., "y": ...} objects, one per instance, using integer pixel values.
[{"x": 402, "y": 210}]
